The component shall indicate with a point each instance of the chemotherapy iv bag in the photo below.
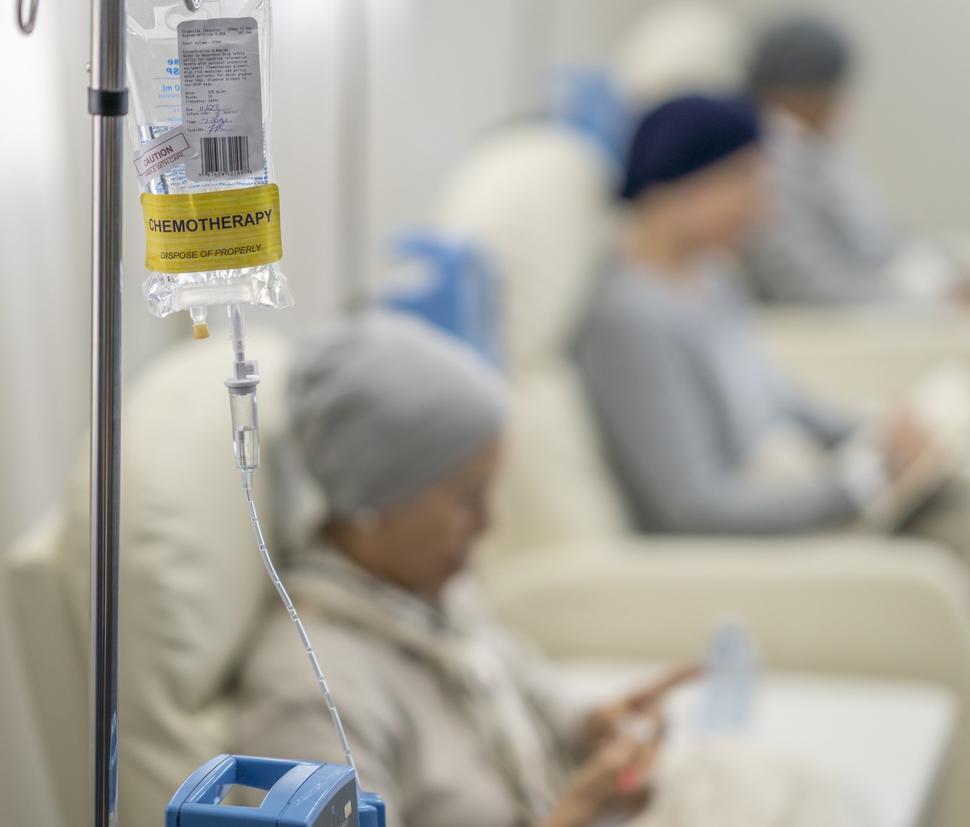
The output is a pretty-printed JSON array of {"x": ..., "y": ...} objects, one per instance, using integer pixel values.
[{"x": 199, "y": 122}]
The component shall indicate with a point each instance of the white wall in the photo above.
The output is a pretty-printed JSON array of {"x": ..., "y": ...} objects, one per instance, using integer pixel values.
[
  {"x": 444, "y": 72},
  {"x": 43, "y": 332},
  {"x": 910, "y": 127},
  {"x": 440, "y": 73}
]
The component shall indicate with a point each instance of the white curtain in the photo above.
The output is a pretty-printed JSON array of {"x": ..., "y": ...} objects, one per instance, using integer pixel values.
[
  {"x": 45, "y": 240},
  {"x": 43, "y": 236},
  {"x": 43, "y": 319}
]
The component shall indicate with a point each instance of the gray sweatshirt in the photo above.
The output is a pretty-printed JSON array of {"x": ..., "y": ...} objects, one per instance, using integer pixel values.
[
  {"x": 683, "y": 395},
  {"x": 827, "y": 239}
]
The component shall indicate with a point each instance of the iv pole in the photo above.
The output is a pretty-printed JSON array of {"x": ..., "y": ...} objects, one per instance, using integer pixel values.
[{"x": 108, "y": 104}]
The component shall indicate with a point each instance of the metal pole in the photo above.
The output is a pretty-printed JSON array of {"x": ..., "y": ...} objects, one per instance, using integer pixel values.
[
  {"x": 353, "y": 156},
  {"x": 107, "y": 103}
]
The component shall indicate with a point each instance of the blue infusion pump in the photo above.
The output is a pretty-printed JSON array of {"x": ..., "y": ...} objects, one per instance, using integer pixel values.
[{"x": 298, "y": 794}]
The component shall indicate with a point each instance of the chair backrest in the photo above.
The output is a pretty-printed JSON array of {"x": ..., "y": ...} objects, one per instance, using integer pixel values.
[
  {"x": 50, "y": 665},
  {"x": 537, "y": 199},
  {"x": 674, "y": 48},
  {"x": 192, "y": 587},
  {"x": 678, "y": 47}
]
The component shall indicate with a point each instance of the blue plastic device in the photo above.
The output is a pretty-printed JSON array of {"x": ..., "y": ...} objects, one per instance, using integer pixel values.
[
  {"x": 587, "y": 100},
  {"x": 298, "y": 794},
  {"x": 459, "y": 293}
]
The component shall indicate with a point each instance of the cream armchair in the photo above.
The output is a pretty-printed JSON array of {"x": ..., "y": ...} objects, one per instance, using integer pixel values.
[
  {"x": 563, "y": 564},
  {"x": 192, "y": 586}
]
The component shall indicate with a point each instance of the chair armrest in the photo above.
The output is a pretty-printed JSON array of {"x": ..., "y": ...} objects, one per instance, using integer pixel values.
[
  {"x": 863, "y": 356},
  {"x": 840, "y": 603},
  {"x": 833, "y": 604}
]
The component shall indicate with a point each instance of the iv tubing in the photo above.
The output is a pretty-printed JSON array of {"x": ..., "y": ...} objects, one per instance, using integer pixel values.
[
  {"x": 295, "y": 617},
  {"x": 242, "y": 368}
]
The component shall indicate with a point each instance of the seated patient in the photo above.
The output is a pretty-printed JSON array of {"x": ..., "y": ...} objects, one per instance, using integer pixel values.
[
  {"x": 828, "y": 239},
  {"x": 687, "y": 405},
  {"x": 451, "y": 720}
]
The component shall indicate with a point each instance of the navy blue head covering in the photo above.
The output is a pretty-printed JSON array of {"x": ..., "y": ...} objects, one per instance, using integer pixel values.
[{"x": 685, "y": 135}]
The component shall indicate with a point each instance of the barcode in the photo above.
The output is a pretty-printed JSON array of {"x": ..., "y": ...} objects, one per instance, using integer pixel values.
[{"x": 225, "y": 156}]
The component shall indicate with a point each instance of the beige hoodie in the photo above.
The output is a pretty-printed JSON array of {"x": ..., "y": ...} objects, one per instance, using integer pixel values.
[{"x": 450, "y": 719}]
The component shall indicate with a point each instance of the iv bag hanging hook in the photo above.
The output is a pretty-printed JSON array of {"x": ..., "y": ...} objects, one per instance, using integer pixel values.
[{"x": 26, "y": 24}]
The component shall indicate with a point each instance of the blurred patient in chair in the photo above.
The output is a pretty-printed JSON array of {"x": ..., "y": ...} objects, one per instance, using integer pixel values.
[
  {"x": 451, "y": 719},
  {"x": 828, "y": 239},
  {"x": 703, "y": 434}
]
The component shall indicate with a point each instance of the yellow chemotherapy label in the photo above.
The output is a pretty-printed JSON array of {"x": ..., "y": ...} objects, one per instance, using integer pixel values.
[{"x": 223, "y": 230}]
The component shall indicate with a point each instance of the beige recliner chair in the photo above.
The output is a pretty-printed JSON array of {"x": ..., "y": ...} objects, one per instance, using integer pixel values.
[
  {"x": 564, "y": 565},
  {"x": 192, "y": 586}
]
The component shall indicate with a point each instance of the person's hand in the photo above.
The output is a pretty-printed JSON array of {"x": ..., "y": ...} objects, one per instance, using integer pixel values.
[
  {"x": 616, "y": 779},
  {"x": 959, "y": 291},
  {"x": 608, "y": 721},
  {"x": 905, "y": 440}
]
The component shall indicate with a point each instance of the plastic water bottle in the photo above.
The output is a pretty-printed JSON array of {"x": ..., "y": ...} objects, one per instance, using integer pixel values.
[{"x": 733, "y": 666}]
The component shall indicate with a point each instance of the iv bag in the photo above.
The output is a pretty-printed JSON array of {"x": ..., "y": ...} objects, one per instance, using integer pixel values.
[{"x": 199, "y": 123}]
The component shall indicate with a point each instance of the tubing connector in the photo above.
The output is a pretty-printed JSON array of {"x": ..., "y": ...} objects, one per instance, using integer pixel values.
[{"x": 242, "y": 399}]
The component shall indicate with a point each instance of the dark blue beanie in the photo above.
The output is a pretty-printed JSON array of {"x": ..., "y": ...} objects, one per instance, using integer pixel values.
[{"x": 683, "y": 136}]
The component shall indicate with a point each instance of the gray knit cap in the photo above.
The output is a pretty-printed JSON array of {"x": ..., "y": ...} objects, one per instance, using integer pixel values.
[
  {"x": 383, "y": 407},
  {"x": 799, "y": 52}
]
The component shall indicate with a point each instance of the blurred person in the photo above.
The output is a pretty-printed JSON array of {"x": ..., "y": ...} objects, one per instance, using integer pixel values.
[
  {"x": 451, "y": 719},
  {"x": 828, "y": 238},
  {"x": 703, "y": 434}
]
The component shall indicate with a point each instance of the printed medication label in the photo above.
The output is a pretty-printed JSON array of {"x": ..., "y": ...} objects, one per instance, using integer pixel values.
[
  {"x": 167, "y": 150},
  {"x": 222, "y": 108},
  {"x": 224, "y": 230}
]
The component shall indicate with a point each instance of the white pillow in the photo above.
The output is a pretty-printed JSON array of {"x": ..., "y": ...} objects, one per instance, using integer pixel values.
[{"x": 537, "y": 201}]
